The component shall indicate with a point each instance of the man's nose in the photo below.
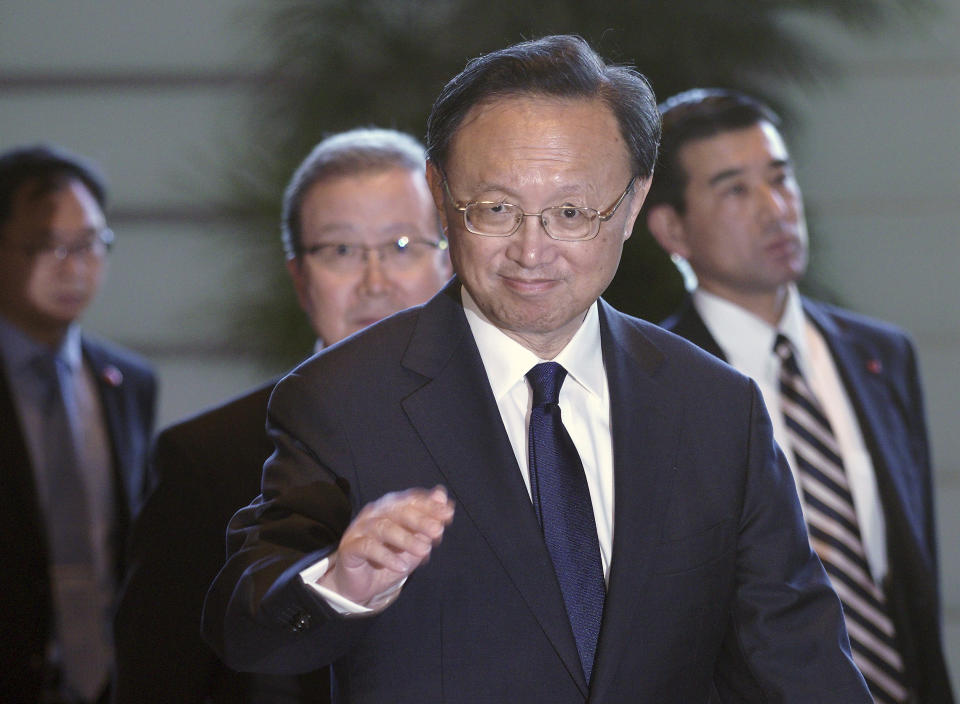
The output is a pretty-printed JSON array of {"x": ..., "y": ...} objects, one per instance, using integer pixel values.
[
  {"x": 530, "y": 245},
  {"x": 375, "y": 277},
  {"x": 773, "y": 201}
]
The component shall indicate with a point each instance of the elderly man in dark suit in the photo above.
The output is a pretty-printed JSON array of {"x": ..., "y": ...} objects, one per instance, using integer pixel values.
[
  {"x": 617, "y": 523},
  {"x": 362, "y": 241},
  {"x": 76, "y": 415},
  {"x": 843, "y": 390}
]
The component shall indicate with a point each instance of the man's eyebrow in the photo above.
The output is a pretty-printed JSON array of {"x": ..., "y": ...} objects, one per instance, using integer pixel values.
[
  {"x": 723, "y": 175},
  {"x": 734, "y": 172},
  {"x": 51, "y": 234}
]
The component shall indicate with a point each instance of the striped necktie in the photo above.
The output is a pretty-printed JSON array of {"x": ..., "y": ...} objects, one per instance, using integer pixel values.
[
  {"x": 561, "y": 499},
  {"x": 835, "y": 532}
]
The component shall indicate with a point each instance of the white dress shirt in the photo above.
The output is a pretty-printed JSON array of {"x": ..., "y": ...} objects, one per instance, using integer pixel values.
[
  {"x": 584, "y": 407},
  {"x": 584, "y": 404},
  {"x": 747, "y": 342}
]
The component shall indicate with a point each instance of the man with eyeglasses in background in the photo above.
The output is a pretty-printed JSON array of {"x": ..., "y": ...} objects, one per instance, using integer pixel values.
[
  {"x": 76, "y": 416},
  {"x": 617, "y": 523},
  {"x": 362, "y": 241}
]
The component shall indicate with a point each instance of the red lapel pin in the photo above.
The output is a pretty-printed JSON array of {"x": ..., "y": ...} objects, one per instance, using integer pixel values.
[
  {"x": 112, "y": 375},
  {"x": 874, "y": 366}
]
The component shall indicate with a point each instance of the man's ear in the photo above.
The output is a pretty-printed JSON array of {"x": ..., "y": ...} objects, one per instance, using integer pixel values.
[
  {"x": 435, "y": 182},
  {"x": 299, "y": 278},
  {"x": 640, "y": 190},
  {"x": 666, "y": 226}
]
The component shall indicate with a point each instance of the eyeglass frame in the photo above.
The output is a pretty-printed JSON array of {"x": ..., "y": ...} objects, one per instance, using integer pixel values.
[
  {"x": 601, "y": 215},
  {"x": 440, "y": 244},
  {"x": 102, "y": 236}
]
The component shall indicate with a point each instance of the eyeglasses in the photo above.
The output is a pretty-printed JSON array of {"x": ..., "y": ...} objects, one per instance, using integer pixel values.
[
  {"x": 566, "y": 223},
  {"x": 92, "y": 243},
  {"x": 399, "y": 255}
]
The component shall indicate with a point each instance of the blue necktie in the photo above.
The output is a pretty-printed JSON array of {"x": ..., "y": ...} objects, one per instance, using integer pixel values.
[{"x": 561, "y": 498}]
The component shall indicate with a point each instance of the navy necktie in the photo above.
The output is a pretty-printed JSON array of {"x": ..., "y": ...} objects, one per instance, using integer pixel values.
[{"x": 561, "y": 499}]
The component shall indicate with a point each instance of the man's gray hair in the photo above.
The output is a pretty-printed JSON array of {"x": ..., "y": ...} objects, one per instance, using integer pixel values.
[{"x": 357, "y": 151}]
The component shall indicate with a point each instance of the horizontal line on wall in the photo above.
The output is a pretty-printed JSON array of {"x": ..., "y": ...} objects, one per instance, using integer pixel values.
[
  {"x": 947, "y": 67},
  {"x": 883, "y": 206},
  {"x": 129, "y": 80},
  {"x": 206, "y": 350},
  {"x": 939, "y": 339},
  {"x": 176, "y": 215}
]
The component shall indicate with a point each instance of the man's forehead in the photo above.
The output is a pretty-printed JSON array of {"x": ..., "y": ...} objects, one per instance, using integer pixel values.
[
  {"x": 755, "y": 146},
  {"x": 538, "y": 126},
  {"x": 522, "y": 109},
  {"x": 351, "y": 208},
  {"x": 39, "y": 207},
  {"x": 358, "y": 183}
]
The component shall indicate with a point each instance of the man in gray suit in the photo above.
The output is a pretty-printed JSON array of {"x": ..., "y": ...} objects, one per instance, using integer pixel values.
[{"x": 76, "y": 414}]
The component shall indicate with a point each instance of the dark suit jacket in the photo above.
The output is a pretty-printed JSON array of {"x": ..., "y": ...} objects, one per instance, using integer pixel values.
[
  {"x": 878, "y": 366},
  {"x": 206, "y": 468},
  {"x": 711, "y": 577},
  {"x": 128, "y": 395}
]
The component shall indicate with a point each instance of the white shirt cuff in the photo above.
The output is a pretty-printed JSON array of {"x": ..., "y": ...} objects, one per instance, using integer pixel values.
[{"x": 312, "y": 574}]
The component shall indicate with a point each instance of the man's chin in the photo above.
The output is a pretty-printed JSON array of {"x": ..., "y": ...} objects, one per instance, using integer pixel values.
[{"x": 66, "y": 311}]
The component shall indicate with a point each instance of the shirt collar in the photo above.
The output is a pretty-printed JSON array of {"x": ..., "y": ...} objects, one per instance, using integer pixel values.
[
  {"x": 794, "y": 326},
  {"x": 18, "y": 349},
  {"x": 507, "y": 361},
  {"x": 71, "y": 350},
  {"x": 747, "y": 338}
]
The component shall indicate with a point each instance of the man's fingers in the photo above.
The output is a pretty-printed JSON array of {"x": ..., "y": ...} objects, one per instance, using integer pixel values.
[
  {"x": 418, "y": 510},
  {"x": 391, "y": 536},
  {"x": 376, "y": 554},
  {"x": 403, "y": 538}
]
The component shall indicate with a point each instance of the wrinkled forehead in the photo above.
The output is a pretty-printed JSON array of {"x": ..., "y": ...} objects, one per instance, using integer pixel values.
[{"x": 544, "y": 126}]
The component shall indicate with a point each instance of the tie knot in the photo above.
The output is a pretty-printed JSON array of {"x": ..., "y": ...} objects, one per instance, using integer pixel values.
[
  {"x": 783, "y": 348},
  {"x": 49, "y": 367},
  {"x": 546, "y": 379}
]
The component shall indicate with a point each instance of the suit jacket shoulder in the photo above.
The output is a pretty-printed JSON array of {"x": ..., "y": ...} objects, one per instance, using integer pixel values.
[{"x": 204, "y": 469}]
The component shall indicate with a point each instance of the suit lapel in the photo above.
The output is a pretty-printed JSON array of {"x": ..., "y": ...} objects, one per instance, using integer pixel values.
[
  {"x": 860, "y": 369},
  {"x": 109, "y": 383},
  {"x": 480, "y": 468},
  {"x": 646, "y": 430},
  {"x": 688, "y": 324}
]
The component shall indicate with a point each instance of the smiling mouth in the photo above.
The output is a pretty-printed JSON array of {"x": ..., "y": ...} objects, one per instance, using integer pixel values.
[{"x": 529, "y": 286}]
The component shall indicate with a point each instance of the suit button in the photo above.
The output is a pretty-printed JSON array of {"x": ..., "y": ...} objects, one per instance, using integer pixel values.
[{"x": 301, "y": 622}]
